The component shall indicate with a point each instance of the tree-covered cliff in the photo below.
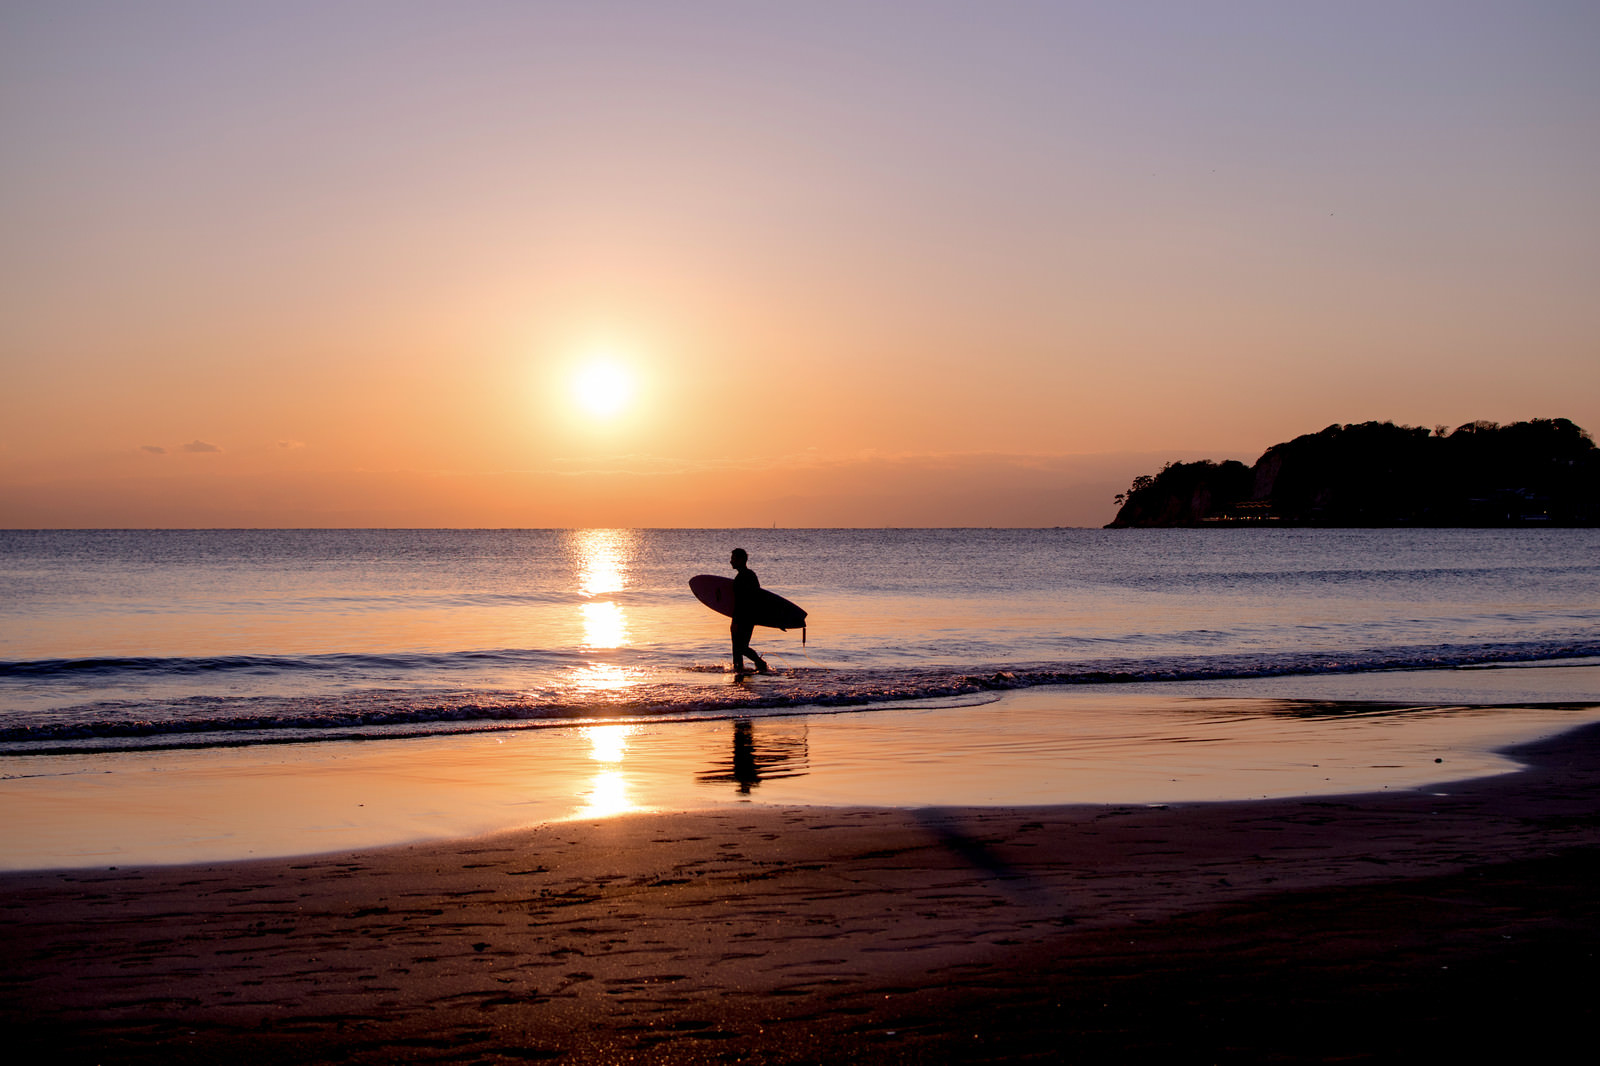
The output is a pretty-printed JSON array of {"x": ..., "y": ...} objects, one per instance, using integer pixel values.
[{"x": 1545, "y": 471}]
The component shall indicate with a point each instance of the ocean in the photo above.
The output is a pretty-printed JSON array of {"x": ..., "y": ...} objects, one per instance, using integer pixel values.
[{"x": 134, "y": 640}]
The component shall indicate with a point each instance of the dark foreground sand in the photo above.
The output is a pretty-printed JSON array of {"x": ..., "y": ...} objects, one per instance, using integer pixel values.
[{"x": 1397, "y": 926}]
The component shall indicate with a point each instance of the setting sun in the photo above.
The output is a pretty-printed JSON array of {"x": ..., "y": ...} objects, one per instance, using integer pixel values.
[{"x": 602, "y": 388}]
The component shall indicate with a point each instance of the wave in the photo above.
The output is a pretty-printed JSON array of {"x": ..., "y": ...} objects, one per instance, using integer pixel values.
[
  {"x": 690, "y": 690},
  {"x": 150, "y": 665}
]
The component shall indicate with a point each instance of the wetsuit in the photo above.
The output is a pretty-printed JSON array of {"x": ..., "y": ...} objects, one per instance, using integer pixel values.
[{"x": 746, "y": 589}]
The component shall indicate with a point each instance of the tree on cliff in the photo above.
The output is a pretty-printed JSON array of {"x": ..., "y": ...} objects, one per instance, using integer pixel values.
[
  {"x": 1546, "y": 470},
  {"x": 1183, "y": 494}
]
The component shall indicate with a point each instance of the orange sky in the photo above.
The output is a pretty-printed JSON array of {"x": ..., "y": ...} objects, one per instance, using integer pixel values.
[{"x": 862, "y": 264}]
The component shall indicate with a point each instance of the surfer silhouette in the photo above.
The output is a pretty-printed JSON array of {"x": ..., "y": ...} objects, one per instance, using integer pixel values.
[{"x": 746, "y": 589}]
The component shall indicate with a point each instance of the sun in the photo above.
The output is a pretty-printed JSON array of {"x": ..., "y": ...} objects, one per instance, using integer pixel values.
[{"x": 602, "y": 388}]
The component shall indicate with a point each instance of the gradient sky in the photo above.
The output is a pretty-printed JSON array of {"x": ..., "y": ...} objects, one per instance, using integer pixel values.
[{"x": 913, "y": 263}]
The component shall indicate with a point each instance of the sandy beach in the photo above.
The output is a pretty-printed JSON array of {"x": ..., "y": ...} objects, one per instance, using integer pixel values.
[
  {"x": 1144, "y": 453},
  {"x": 1366, "y": 927}
]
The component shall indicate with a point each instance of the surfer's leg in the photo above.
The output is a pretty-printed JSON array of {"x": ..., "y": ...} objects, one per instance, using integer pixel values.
[{"x": 741, "y": 645}]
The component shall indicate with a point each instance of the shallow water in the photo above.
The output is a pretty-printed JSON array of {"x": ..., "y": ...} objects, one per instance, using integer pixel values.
[
  {"x": 177, "y": 696},
  {"x": 113, "y": 640},
  {"x": 1043, "y": 746}
]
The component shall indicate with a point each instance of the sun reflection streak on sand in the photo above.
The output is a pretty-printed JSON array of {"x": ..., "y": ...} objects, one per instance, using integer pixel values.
[{"x": 608, "y": 793}]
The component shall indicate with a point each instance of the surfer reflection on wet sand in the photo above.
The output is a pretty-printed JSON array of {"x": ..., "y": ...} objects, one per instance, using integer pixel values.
[
  {"x": 775, "y": 756},
  {"x": 746, "y": 592}
]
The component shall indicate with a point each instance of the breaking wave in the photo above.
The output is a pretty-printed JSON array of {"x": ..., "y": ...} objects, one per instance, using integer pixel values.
[{"x": 655, "y": 692}]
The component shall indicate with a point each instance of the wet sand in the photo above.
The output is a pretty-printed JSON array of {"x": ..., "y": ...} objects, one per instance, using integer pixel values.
[
  {"x": 1028, "y": 748},
  {"x": 1372, "y": 927}
]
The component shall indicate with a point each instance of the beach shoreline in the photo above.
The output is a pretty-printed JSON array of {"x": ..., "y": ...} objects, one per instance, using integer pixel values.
[
  {"x": 1274, "y": 930},
  {"x": 1040, "y": 746}
]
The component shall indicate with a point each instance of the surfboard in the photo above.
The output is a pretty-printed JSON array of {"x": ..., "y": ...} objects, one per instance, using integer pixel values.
[{"x": 772, "y": 610}]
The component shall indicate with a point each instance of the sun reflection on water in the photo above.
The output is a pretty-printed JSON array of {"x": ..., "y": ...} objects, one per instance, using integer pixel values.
[
  {"x": 601, "y": 679},
  {"x": 603, "y": 557},
  {"x": 605, "y": 625}
]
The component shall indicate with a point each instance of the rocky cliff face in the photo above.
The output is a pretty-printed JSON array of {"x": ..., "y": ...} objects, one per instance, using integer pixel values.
[
  {"x": 1184, "y": 494},
  {"x": 1545, "y": 471}
]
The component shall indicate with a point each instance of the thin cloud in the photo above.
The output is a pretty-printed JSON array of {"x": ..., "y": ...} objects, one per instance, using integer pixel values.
[
  {"x": 200, "y": 446},
  {"x": 153, "y": 449},
  {"x": 287, "y": 444},
  {"x": 809, "y": 460},
  {"x": 648, "y": 465}
]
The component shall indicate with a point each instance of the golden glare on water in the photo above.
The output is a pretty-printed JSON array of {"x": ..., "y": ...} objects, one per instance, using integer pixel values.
[
  {"x": 603, "y": 556},
  {"x": 604, "y": 625},
  {"x": 601, "y": 677}
]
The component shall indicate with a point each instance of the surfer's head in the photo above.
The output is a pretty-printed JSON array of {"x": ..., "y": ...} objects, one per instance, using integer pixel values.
[{"x": 738, "y": 558}]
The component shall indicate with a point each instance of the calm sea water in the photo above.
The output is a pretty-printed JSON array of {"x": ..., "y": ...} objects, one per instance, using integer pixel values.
[{"x": 111, "y": 640}]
